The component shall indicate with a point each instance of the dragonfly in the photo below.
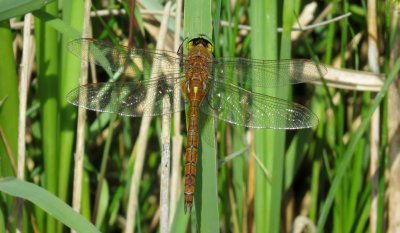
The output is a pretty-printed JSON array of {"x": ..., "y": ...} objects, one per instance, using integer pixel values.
[{"x": 218, "y": 87}]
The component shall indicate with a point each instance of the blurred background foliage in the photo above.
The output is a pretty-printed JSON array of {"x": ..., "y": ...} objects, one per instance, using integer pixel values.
[{"x": 338, "y": 177}]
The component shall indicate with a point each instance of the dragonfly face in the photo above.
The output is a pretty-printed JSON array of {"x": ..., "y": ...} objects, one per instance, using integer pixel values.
[{"x": 214, "y": 86}]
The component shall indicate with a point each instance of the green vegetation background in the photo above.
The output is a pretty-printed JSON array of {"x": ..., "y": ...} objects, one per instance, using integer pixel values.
[{"x": 320, "y": 175}]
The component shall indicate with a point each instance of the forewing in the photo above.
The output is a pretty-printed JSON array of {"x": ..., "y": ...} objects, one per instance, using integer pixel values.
[
  {"x": 114, "y": 57},
  {"x": 241, "y": 107},
  {"x": 135, "y": 99},
  {"x": 266, "y": 73}
]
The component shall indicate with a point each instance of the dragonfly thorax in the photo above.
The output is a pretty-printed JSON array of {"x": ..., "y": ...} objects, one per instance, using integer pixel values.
[{"x": 197, "y": 71}]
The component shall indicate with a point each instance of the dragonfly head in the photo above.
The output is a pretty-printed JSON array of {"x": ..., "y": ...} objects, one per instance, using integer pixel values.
[{"x": 201, "y": 40}]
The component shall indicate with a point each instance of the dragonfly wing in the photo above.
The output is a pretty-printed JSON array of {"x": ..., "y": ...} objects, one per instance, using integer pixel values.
[
  {"x": 114, "y": 57},
  {"x": 133, "y": 98},
  {"x": 241, "y": 107},
  {"x": 266, "y": 73}
]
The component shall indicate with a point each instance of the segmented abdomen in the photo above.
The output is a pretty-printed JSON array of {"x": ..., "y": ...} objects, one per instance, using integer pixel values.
[{"x": 192, "y": 146}]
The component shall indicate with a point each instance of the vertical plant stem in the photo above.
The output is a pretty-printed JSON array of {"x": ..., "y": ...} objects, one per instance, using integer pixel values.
[
  {"x": 8, "y": 107},
  {"x": 237, "y": 180},
  {"x": 331, "y": 35},
  {"x": 177, "y": 138},
  {"x": 23, "y": 95},
  {"x": 373, "y": 54},
  {"x": 48, "y": 71},
  {"x": 393, "y": 108},
  {"x": 165, "y": 153},
  {"x": 278, "y": 157},
  {"x": 142, "y": 141},
  {"x": 249, "y": 225},
  {"x": 9, "y": 99},
  {"x": 165, "y": 166},
  {"x": 269, "y": 145},
  {"x": 198, "y": 21},
  {"x": 80, "y": 128},
  {"x": 69, "y": 79}
]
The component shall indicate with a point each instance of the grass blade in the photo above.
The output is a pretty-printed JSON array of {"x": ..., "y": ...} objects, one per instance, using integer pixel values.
[
  {"x": 69, "y": 79},
  {"x": 269, "y": 145},
  {"x": 197, "y": 22},
  {"x": 48, "y": 202},
  {"x": 11, "y": 8},
  {"x": 9, "y": 99},
  {"x": 348, "y": 155},
  {"x": 48, "y": 72}
]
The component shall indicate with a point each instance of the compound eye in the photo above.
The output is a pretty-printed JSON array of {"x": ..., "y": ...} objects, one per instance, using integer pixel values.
[
  {"x": 190, "y": 45},
  {"x": 210, "y": 47}
]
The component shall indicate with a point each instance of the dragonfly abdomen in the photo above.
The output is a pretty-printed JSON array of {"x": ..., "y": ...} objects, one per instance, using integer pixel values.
[
  {"x": 195, "y": 89},
  {"x": 192, "y": 146}
]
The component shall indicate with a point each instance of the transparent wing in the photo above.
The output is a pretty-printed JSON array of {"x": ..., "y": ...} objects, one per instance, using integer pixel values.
[
  {"x": 114, "y": 57},
  {"x": 266, "y": 73},
  {"x": 241, "y": 107},
  {"x": 135, "y": 99}
]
